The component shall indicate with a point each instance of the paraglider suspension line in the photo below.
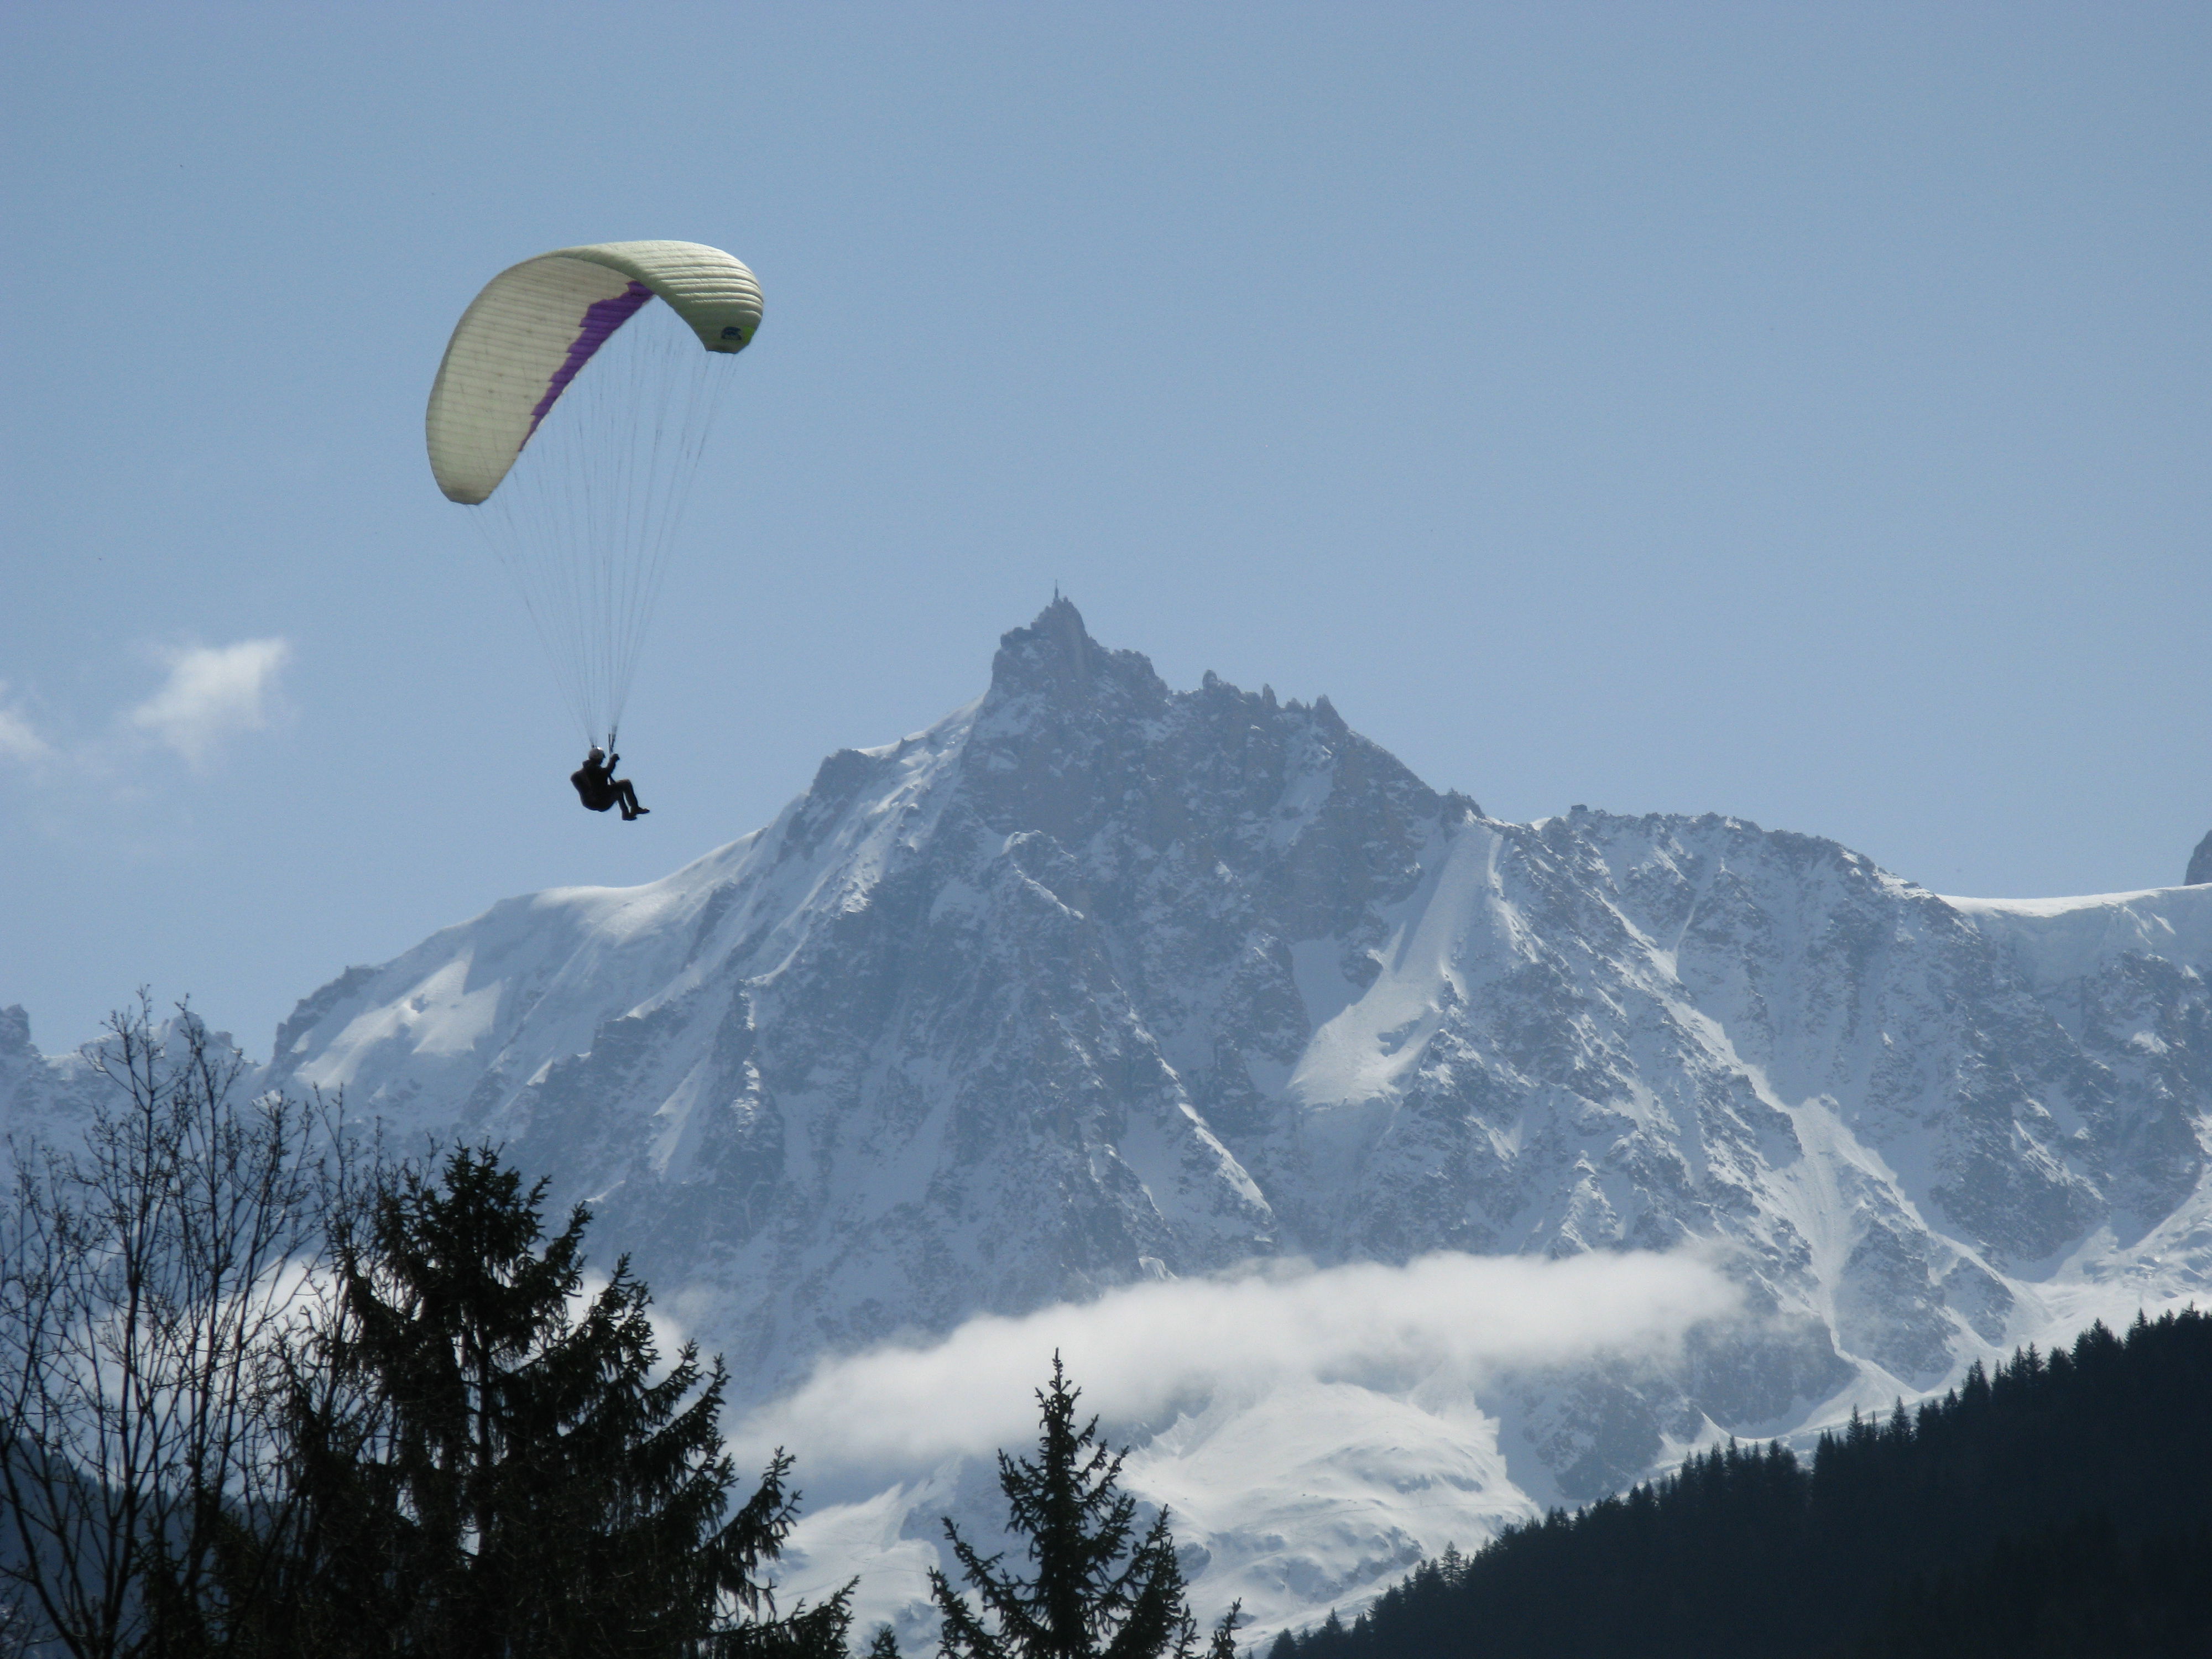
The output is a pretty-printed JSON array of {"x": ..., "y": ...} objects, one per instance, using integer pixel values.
[{"x": 586, "y": 520}]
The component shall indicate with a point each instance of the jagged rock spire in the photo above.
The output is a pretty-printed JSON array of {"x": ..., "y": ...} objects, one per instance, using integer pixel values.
[{"x": 1055, "y": 657}]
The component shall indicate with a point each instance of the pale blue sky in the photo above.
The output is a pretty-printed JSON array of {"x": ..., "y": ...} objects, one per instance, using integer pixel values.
[{"x": 1793, "y": 411}]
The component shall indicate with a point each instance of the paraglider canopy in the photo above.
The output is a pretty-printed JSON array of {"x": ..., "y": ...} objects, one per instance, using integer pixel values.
[{"x": 536, "y": 325}]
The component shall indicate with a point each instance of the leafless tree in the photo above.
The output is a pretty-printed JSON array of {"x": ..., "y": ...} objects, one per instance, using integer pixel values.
[{"x": 153, "y": 1282}]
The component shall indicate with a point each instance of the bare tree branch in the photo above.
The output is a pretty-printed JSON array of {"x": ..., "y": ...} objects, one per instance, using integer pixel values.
[{"x": 152, "y": 1284}]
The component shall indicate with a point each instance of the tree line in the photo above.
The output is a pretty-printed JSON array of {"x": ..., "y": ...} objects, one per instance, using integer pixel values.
[
  {"x": 2056, "y": 1506},
  {"x": 266, "y": 1391}
]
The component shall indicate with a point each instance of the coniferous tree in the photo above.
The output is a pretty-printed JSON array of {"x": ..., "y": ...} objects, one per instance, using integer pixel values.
[
  {"x": 490, "y": 1468},
  {"x": 1097, "y": 1589}
]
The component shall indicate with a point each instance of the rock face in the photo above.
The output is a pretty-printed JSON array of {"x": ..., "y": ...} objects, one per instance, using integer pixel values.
[
  {"x": 2200, "y": 862},
  {"x": 1095, "y": 981},
  {"x": 42, "y": 1098}
]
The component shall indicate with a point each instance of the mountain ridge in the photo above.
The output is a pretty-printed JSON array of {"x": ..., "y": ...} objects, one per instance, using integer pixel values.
[{"x": 1094, "y": 982}]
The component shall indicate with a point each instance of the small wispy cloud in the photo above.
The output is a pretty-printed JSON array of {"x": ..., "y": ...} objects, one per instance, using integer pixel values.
[
  {"x": 212, "y": 693},
  {"x": 20, "y": 741},
  {"x": 1140, "y": 1350}
]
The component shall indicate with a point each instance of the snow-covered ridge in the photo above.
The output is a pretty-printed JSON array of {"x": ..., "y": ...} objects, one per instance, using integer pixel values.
[
  {"x": 2058, "y": 940},
  {"x": 1095, "y": 983}
]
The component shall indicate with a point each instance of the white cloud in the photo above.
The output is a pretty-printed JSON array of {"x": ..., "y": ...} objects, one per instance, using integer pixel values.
[
  {"x": 1138, "y": 1352},
  {"x": 19, "y": 739},
  {"x": 212, "y": 692}
]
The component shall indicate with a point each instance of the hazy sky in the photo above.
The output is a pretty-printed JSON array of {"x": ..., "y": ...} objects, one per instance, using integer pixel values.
[{"x": 1791, "y": 411}]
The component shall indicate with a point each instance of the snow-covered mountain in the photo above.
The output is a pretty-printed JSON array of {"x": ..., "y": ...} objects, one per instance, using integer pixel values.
[{"x": 1095, "y": 984}]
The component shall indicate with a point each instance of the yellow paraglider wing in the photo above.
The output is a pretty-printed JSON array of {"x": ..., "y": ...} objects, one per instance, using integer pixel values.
[{"x": 536, "y": 325}]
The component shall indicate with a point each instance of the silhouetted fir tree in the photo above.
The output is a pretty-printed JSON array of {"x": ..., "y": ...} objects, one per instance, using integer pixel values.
[
  {"x": 1329, "y": 1641},
  {"x": 2053, "y": 1505},
  {"x": 1096, "y": 1589},
  {"x": 492, "y": 1472}
]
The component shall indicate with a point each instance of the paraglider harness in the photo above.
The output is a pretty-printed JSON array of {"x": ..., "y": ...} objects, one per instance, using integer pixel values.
[{"x": 597, "y": 787}]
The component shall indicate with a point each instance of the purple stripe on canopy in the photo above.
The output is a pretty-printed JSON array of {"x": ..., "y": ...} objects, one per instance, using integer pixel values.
[{"x": 601, "y": 319}]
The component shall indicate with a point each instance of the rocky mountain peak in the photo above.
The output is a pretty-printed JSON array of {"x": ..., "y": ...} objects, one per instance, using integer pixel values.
[
  {"x": 1055, "y": 657},
  {"x": 2200, "y": 863},
  {"x": 1080, "y": 743}
]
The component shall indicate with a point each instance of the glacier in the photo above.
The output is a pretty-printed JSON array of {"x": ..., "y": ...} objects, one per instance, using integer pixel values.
[{"x": 1096, "y": 990}]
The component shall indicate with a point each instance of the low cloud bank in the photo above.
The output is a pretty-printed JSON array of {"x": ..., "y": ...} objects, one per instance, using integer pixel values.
[{"x": 1139, "y": 1351}]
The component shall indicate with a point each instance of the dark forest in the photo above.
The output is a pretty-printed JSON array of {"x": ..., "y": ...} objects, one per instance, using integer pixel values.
[{"x": 2060, "y": 1506}]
